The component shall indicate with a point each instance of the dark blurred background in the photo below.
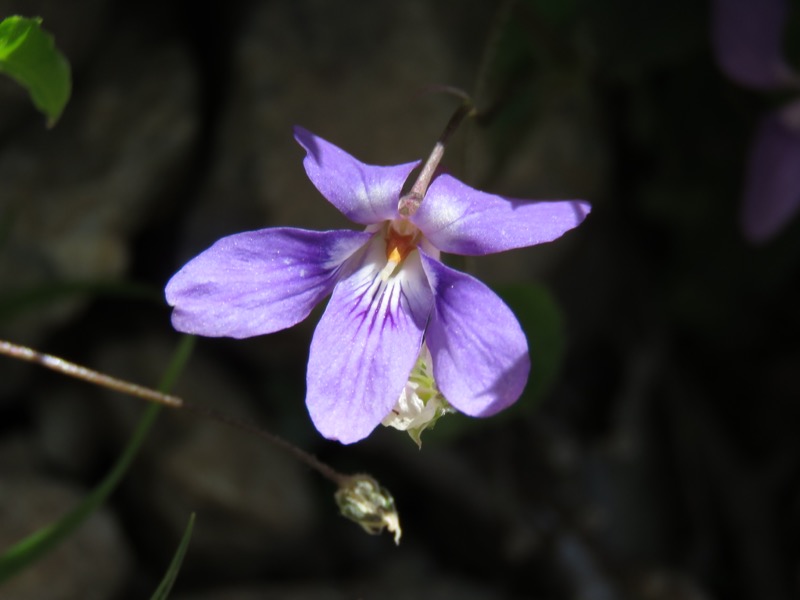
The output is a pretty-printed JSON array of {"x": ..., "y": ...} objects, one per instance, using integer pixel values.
[{"x": 655, "y": 454}]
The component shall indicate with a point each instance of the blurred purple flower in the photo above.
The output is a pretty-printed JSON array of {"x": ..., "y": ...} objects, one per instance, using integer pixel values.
[
  {"x": 389, "y": 290},
  {"x": 747, "y": 38}
]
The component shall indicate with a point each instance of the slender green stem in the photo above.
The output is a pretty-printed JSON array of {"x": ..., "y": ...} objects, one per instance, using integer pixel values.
[
  {"x": 305, "y": 457},
  {"x": 71, "y": 369},
  {"x": 159, "y": 397},
  {"x": 165, "y": 587},
  {"x": 490, "y": 51}
]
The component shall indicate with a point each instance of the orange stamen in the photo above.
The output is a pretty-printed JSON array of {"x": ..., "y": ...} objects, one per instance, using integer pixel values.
[{"x": 399, "y": 246}]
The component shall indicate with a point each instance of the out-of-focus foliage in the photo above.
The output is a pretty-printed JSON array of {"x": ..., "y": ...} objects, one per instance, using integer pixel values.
[
  {"x": 164, "y": 588},
  {"x": 543, "y": 324},
  {"x": 29, "y": 56}
]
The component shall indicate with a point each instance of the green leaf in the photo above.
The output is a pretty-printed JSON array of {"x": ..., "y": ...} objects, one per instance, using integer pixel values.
[
  {"x": 164, "y": 588},
  {"x": 29, "y": 56},
  {"x": 45, "y": 539},
  {"x": 543, "y": 324}
]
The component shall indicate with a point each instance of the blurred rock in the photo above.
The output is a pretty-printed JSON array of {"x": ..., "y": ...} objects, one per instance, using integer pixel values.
[
  {"x": 564, "y": 154},
  {"x": 91, "y": 564},
  {"x": 358, "y": 82},
  {"x": 437, "y": 587},
  {"x": 285, "y": 592},
  {"x": 18, "y": 454},
  {"x": 68, "y": 429},
  {"x": 255, "y": 505},
  {"x": 662, "y": 584},
  {"x": 354, "y": 77},
  {"x": 73, "y": 195},
  {"x": 583, "y": 570}
]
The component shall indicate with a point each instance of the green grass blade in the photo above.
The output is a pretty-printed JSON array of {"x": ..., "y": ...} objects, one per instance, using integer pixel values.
[
  {"x": 40, "y": 542},
  {"x": 164, "y": 588}
]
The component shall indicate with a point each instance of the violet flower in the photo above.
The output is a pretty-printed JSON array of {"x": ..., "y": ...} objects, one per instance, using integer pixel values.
[
  {"x": 747, "y": 38},
  {"x": 391, "y": 296}
]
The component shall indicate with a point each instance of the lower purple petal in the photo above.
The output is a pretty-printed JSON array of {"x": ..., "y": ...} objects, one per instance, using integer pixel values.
[
  {"x": 479, "y": 352},
  {"x": 365, "y": 346},
  {"x": 772, "y": 189},
  {"x": 259, "y": 282}
]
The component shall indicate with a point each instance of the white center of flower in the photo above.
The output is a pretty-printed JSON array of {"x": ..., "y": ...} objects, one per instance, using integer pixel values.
[
  {"x": 402, "y": 237},
  {"x": 421, "y": 403}
]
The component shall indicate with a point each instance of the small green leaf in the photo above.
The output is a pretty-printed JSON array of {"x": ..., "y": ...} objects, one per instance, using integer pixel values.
[
  {"x": 164, "y": 588},
  {"x": 29, "y": 56}
]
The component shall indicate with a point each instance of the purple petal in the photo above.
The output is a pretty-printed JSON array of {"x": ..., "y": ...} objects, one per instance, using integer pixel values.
[
  {"x": 479, "y": 352},
  {"x": 772, "y": 188},
  {"x": 259, "y": 281},
  {"x": 365, "y": 194},
  {"x": 747, "y": 38},
  {"x": 365, "y": 346},
  {"x": 461, "y": 220}
]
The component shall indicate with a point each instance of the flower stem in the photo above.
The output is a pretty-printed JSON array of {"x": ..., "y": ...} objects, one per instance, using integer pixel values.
[
  {"x": 305, "y": 457},
  {"x": 132, "y": 389},
  {"x": 410, "y": 202},
  {"x": 78, "y": 372},
  {"x": 44, "y": 539}
]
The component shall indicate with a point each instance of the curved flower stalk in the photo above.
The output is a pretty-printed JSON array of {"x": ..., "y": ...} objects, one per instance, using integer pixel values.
[
  {"x": 389, "y": 290},
  {"x": 747, "y": 38}
]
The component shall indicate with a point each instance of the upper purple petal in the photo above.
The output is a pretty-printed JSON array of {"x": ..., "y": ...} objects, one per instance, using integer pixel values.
[
  {"x": 365, "y": 194},
  {"x": 259, "y": 281},
  {"x": 479, "y": 352},
  {"x": 772, "y": 187},
  {"x": 365, "y": 346},
  {"x": 461, "y": 220},
  {"x": 747, "y": 38}
]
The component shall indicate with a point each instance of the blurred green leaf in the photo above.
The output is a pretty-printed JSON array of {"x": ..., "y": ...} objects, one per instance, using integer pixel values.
[
  {"x": 29, "y": 56},
  {"x": 45, "y": 539},
  {"x": 543, "y": 324},
  {"x": 166, "y": 584}
]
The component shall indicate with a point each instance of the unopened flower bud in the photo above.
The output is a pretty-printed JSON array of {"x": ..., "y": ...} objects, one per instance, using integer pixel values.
[{"x": 365, "y": 501}]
